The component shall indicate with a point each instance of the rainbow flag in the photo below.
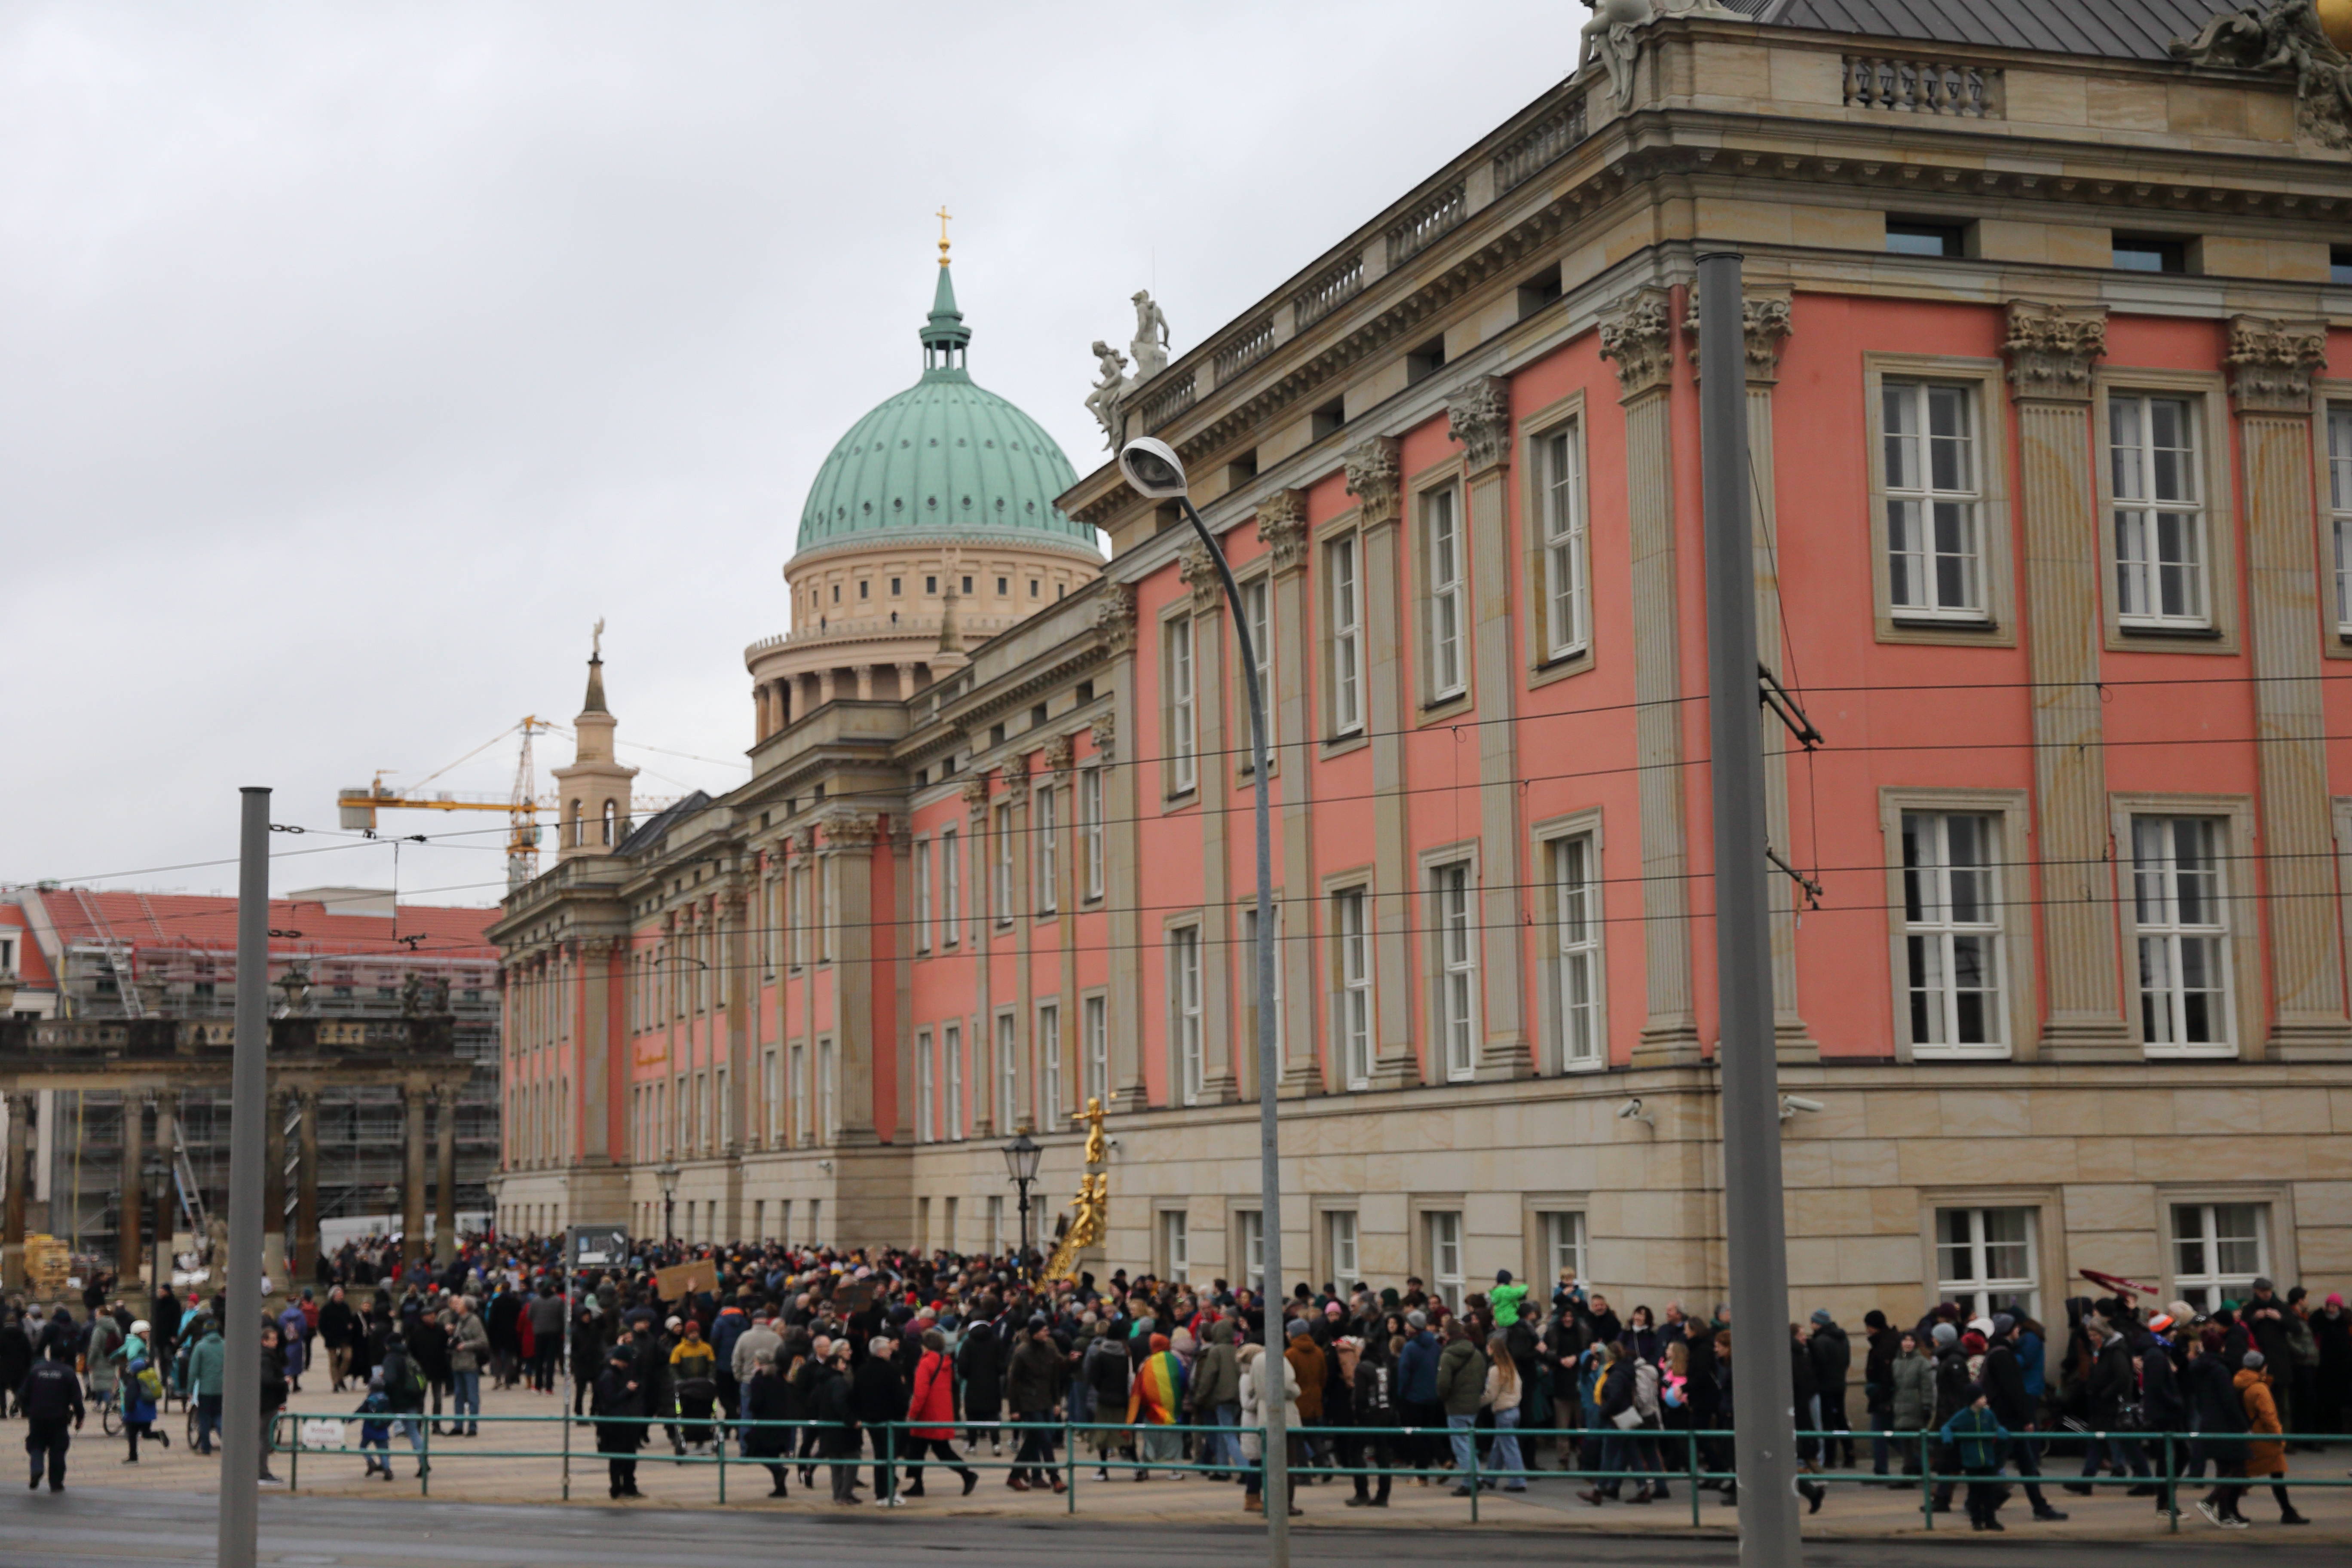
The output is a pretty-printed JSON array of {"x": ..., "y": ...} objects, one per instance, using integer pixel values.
[{"x": 1157, "y": 1390}]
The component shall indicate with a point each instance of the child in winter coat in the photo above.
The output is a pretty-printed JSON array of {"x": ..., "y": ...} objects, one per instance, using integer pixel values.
[
  {"x": 1977, "y": 1435},
  {"x": 375, "y": 1426}
]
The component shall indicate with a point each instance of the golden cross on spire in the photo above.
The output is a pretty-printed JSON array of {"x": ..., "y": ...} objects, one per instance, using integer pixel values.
[{"x": 943, "y": 233}]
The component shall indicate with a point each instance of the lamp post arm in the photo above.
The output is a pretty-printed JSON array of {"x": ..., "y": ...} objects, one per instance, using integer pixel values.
[{"x": 1276, "y": 1443}]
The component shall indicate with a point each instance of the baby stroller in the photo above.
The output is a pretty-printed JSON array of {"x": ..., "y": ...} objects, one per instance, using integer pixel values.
[{"x": 696, "y": 1396}]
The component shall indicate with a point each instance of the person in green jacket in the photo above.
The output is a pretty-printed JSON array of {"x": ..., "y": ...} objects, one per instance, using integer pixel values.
[
  {"x": 1505, "y": 1299},
  {"x": 1978, "y": 1435},
  {"x": 1913, "y": 1401},
  {"x": 206, "y": 1374},
  {"x": 1461, "y": 1383}
]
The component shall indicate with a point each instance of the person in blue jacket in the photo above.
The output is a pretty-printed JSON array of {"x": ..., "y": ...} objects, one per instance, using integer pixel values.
[{"x": 1977, "y": 1437}]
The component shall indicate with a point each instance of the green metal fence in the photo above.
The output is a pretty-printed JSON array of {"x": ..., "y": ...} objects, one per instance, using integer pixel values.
[{"x": 888, "y": 1440}]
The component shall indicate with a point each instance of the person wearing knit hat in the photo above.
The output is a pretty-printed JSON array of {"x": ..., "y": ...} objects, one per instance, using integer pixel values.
[{"x": 1945, "y": 1336}]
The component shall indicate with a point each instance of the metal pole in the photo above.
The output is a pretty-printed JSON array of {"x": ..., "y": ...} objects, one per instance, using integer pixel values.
[
  {"x": 240, "y": 1462},
  {"x": 570, "y": 1242},
  {"x": 1764, "y": 1422},
  {"x": 1277, "y": 1449}
]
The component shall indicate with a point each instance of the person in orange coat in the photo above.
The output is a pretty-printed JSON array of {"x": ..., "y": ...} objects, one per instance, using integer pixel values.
[{"x": 2254, "y": 1382}]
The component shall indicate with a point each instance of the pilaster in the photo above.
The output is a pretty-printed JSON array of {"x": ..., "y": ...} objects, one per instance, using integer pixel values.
[
  {"x": 1640, "y": 339},
  {"x": 849, "y": 840},
  {"x": 2050, "y": 349},
  {"x": 1375, "y": 478},
  {"x": 1283, "y": 527},
  {"x": 1220, "y": 1051},
  {"x": 2270, "y": 365},
  {"x": 980, "y": 1033}
]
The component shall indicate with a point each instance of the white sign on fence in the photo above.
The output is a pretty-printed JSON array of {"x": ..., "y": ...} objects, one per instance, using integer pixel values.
[{"x": 318, "y": 1433}]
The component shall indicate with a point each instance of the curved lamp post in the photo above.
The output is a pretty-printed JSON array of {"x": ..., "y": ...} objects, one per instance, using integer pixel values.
[
  {"x": 668, "y": 1173},
  {"x": 1156, "y": 472}
]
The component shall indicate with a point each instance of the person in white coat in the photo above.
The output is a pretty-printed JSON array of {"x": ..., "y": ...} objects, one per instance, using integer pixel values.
[{"x": 1253, "y": 1359}]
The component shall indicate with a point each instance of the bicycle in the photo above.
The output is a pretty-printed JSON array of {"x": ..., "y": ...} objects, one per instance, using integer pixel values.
[{"x": 109, "y": 1412}]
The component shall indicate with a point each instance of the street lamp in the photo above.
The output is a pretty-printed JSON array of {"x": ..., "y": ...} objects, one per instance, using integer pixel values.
[
  {"x": 667, "y": 1171},
  {"x": 1158, "y": 474},
  {"x": 1021, "y": 1157},
  {"x": 296, "y": 984},
  {"x": 155, "y": 1176}
]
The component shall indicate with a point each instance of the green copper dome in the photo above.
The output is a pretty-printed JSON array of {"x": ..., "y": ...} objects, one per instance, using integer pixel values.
[{"x": 945, "y": 458}]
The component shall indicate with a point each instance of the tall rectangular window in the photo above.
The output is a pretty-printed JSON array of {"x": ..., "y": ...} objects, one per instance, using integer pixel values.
[
  {"x": 1049, "y": 1064},
  {"x": 1563, "y": 1242},
  {"x": 829, "y": 901},
  {"x": 1447, "y": 594},
  {"x": 1184, "y": 1011},
  {"x": 1094, "y": 1015},
  {"x": 951, "y": 1047},
  {"x": 1251, "y": 1226},
  {"x": 1456, "y": 955},
  {"x": 1045, "y": 824},
  {"x": 2339, "y": 507},
  {"x": 1576, "y": 906},
  {"x": 2218, "y": 1251},
  {"x": 2178, "y": 903},
  {"x": 1444, "y": 1232},
  {"x": 1001, "y": 826},
  {"x": 801, "y": 1098},
  {"x": 1562, "y": 480},
  {"x": 799, "y": 878},
  {"x": 1951, "y": 934},
  {"x": 1351, "y": 1013},
  {"x": 1176, "y": 1244},
  {"x": 950, "y": 888},
  {"x": 1339, "y": 1245},
  {"x": 1090, "y": 828},
  {"x": 1008, "y": 1081},
  {"x": 996, "y": 1244},
  {"x": 1257, "y": 606},
  {"x": 1344, "y": 609},
  {"x": 1984, "y": 1260},
  {"x": 2161, "y": 568},
  {"x": 772, "y": 1099},
  {"x": 924, "y": 1106},
  {"x": 922, "y": 895},
  {"x": 1935, "y": 500},
  {"x": 1183, "y": 725}
]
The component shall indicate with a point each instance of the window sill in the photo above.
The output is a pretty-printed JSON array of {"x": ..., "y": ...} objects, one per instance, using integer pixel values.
[
  {"x": 1563, "y": 660},
  {"x": 2168, "y": 634},
  {"x": 1943, "y": 623}
]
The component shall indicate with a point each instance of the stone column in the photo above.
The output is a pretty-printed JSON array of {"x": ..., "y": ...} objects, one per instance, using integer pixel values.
[
  {"x": 1374, "y": 473},
  {"x": 603, "y": 1023},
  {"x": 1479, "y": 417},
  {"x": 906, "y": 681},
  {"x": 1213, "y": 700},
  {"x": 1115, "y": 626},
  {"x": 444, "y": 1174},
  {"x": 19, "y": 1106},
  {"x": 305, "y": 1264},
  {"x": 1765, "y": 322},
  {"x": 130, "y": 1201},
  {"x": 866, "y": 683},
  {"x": 2050, "y": 349},
  {"x": 412, "y": 1186},
  {"x": 1640, "y": 338},
  {"x": 2270, "y": 364},
  {"x": 1283, "y": 526},
  {"x": 273, "y": 1185},
  {"x": 849, "y": 842},
  {"x": 166, "y": 1102},
  {"x": 825, "y": 689}
]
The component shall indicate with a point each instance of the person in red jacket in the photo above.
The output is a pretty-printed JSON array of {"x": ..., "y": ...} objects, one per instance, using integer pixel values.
[{"x": 931, "y": 1405}]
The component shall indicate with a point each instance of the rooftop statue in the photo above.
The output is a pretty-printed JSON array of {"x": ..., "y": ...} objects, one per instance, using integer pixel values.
[{"x": 1103, "y": 401}]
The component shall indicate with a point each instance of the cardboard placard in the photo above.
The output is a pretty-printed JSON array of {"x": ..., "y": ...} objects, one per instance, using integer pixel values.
[
  {"x": 680, "y": 1278},
  {"x": 853, "y": 1296}
]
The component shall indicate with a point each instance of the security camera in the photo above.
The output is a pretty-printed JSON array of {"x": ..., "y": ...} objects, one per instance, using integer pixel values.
[
  {"x": 1153, "y": 468},
  {"x": 1792, "y": 1103},
  {"x": 1630, "y": 1110}
]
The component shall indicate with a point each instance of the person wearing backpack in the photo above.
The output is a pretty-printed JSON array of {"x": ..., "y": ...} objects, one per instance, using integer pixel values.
[
  {"x": 403, "y": 1391},
  {"x": 1373, "y": 1402},
  {"x": 143, "y": 1391}
]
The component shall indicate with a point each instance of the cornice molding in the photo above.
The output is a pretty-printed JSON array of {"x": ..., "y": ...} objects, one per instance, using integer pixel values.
[
  {"x": 2271, "y": 364},
  {"x": 2050, "y": 349}
]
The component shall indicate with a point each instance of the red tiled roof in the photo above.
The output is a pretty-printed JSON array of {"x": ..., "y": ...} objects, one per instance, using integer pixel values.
[
  {"x": 32, "y": 964},
  {"x": 151, "y": 920}
]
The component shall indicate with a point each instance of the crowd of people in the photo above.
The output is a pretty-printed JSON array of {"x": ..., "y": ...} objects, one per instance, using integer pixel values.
[{"x": 888, "y": 1358}]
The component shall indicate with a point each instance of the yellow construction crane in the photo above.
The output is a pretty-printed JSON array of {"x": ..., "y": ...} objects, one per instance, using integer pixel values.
[{"x": 359, "y": 806}]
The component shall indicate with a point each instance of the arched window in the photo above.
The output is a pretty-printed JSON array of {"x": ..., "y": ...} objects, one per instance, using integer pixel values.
[
  {"x": 611, "y": 820},
  {"x": 574, "y": 834}
]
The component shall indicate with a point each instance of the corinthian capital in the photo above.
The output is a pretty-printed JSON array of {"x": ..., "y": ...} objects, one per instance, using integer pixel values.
[
  {"x": 846, "y": 828},
  {"x": 2271, "y": 364},
  {"x": 1375, "y": 473},
  {"x": 1641, "y": 338},
  {"x": 1114, "y": 618},
  {"x": 1282, "y": 526},
  {"x": 975, "y": 793},
  {"x": 1105, "y": 729},
  {"x": 1765, "y": 321},
  {"x": 1479, "y": 417},
  {"x": 2050, "y": 349},
  {"x": 1200, "y": 575}
]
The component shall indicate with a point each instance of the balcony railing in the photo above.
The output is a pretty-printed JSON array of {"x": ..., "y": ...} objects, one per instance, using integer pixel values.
[
  {"x": 1329, "y": 290},
  {"x": 1539, "y": 146},
  {"x": 1433, "y": 218},
  {"x": 1255, "y": 342},
  {"x": 1167, "y": 402},
  {"x": 1923, "y": 86}
]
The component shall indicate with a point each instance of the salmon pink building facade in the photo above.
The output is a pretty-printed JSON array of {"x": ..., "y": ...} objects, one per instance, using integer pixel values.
[{"x": 2050, "y": 476}]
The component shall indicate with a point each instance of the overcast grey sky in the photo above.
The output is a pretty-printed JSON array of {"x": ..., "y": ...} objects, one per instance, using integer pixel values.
[{"x": 359, "y": 358}]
